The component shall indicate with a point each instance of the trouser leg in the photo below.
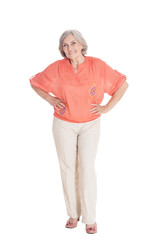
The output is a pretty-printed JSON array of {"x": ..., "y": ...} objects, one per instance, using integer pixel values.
[
  {"x": 87, "y": 148},
  {"x": 66, "y": 146}
]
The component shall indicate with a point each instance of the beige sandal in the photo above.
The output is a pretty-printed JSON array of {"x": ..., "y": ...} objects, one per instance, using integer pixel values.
[
  {"x": 72, "y": 223},
  {"x": 91, "y": 228}
]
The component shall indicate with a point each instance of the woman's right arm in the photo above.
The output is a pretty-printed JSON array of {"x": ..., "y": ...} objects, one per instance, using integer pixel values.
[{"x": 53, "y": 101}]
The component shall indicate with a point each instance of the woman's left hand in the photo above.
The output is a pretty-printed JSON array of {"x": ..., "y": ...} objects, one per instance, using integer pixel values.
[{"x": 97, "y": 109}]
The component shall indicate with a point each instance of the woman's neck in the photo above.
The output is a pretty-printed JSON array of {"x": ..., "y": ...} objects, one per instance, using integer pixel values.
[{"x": 76, "y": 61}]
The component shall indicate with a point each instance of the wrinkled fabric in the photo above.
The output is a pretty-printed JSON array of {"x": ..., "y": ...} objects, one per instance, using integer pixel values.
[{"x": 94, "y": 78}]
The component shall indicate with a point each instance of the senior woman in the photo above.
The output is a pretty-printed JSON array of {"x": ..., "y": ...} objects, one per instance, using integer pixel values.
[{"x": 75, "y": 87}]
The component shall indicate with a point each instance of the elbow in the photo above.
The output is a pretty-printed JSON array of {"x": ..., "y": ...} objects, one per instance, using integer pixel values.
[
  {"x": 125, "y": 86},
  {"x": 32, "y": 86},
  {"x": 121, "y": 90}
]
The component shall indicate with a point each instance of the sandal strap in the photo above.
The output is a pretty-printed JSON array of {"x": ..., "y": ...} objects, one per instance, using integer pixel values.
[
  {"x": 72, "y": 220},
  {"x": 92, "y": 227}
]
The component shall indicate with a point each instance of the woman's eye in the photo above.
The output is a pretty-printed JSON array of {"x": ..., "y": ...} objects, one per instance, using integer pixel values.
[{"x": 73, "y": 43}]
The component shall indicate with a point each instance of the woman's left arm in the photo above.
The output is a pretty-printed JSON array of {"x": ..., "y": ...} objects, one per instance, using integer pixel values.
[{"x": 97, "y": 109}]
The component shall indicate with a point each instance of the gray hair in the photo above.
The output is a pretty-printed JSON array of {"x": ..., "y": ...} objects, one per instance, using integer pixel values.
[{"x": 78, "y": 37}]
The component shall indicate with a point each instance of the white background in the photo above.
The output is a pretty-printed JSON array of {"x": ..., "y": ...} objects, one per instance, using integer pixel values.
[{"x": 125, "y": 35}]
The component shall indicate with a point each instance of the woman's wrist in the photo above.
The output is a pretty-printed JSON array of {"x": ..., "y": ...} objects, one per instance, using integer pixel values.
[
  {"x": 106, "y": 108},
  {"x": 49, "y": 99}
]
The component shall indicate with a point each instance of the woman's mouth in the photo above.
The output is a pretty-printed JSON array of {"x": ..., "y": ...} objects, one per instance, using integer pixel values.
[{"x": 70, "y": 53}]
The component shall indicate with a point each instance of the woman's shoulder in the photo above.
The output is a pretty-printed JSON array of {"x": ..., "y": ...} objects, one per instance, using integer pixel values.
[
  {"x": 95, "y": 60},
  {"x": 56, "y": 64}
]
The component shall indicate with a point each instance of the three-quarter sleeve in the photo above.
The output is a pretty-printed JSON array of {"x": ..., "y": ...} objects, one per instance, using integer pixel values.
[
  {"x": 113, "y": 79},
  {"x": 45, "y": 80}
]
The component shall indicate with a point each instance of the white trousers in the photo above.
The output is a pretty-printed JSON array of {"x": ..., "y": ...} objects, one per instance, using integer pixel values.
[{"x": 76, "y": 145}]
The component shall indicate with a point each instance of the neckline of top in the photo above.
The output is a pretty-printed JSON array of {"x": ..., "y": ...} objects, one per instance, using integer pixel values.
[{"x": 81, "y": 64}]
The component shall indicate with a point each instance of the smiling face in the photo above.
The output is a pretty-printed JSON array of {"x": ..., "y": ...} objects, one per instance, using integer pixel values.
[{"x": 72, "y": 48}]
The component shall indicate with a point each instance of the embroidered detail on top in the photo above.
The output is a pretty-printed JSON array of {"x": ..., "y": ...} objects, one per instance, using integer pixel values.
[
  {"x": 92, "y": 90},
  {"x": 62, "y": 111}
]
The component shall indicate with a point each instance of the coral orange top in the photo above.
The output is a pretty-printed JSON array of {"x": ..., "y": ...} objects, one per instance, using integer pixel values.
[{"x": 94, "y": 78}]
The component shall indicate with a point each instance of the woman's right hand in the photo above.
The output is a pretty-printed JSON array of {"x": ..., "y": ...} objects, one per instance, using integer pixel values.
[{"x": 56, "y": 102}]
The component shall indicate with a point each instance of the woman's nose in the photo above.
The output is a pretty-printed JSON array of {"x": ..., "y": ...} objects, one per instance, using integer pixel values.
[{"x": 70, "y": 47}]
